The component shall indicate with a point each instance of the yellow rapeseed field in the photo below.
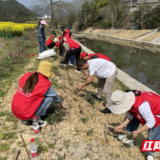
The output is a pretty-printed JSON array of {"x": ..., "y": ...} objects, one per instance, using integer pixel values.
[{"x": 16, "y": 29}]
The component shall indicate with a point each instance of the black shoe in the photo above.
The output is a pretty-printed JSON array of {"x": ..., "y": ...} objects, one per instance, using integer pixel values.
[
  {"x": 98, "y": 99},
  {"x": 106, "y": 111},
  {"x": 26, "y": 122}
]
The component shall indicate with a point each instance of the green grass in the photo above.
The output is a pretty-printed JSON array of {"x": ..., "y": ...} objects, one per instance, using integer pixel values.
[
  {"x": 2, "y": 114},
  {"x": 90, "y": 99},
  {"x": 50, "y": 145},
  {"x": 123, "y": 87},
  {"x": 4, "y": 147},
  {"x": 43, "y": 148},
  {"x": 10, "y": 117},
  {"x": 3, "y": 158},
  {"x": 7, "y": 135},
  {"x": 55, "y": 114},
  {"x": 84, "y": 120},
  {"x": 89, "y": 132}
]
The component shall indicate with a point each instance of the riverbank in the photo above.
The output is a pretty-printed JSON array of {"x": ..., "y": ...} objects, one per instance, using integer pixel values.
[
  {"x": 144, "y": 39},
  {"x": 125, "y": 78}
]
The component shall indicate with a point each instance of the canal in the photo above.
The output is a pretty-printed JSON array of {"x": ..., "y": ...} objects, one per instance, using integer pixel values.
[{"x": 141, "y": 64}]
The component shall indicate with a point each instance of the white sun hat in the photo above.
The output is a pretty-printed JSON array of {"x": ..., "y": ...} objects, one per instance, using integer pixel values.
[{"x": 121, "y": 102}]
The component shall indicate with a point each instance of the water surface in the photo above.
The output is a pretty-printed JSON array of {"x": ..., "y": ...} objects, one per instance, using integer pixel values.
[{"x": 143, "y": 65}]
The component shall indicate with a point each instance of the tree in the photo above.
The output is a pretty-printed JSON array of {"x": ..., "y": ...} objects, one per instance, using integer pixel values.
[{"x": 50, "y": 4}]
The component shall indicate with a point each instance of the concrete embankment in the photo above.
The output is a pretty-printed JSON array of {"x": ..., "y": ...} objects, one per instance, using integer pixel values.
[
  {"x": 125, "y": 78},
  {"x": 135, "y": 38}
]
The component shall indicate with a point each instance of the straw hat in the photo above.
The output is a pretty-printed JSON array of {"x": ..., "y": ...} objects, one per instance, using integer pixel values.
[
  {"x": 121, "y": 102},
  {"x": 46, "y": 68}
]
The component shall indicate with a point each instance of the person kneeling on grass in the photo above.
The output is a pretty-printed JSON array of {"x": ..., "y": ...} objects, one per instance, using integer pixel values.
[
  {"x": 106, "y": 72},
  {"x": 51, "y": 42},
  {"x": 140, "y": 107},
  {"x": 35, "y": 95}
]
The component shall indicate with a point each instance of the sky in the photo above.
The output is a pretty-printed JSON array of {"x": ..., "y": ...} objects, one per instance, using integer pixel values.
[{"x": 26, "y": 3}]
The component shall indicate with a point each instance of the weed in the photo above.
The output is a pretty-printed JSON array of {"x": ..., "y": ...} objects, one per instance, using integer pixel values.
[
  {"x": 123, "y": 87},
  {"x": 59, "y": 157},
  {"x": 43, "y": 148},
  {"x": 81, "y": 111},
  {"x": 84, "y": 120},
  {"x": 7, "y": 135},
  {"x": 10, "y": 117},
  {"x": 75, "y": 99},
  {"x": 4, "y": 146},
  {"x": 3, "y": 158},
  {"x": 90, "y": 99},
  {"x": 55, "y": 68},
  {"x": 82, "y": 95},
  {"x": 50, "y": 145},
  {"x": 94, "y": 84},
  {"x": 87, "y": 155},
  {"x": 54, "y": 114},
  {"x": 66, "y": 143},
  {"x": 2, "y": 114},
  {"x": 89, "y": 132},
  {"x": 111, "y": 154},
  {"x": 117, "y": 155}
]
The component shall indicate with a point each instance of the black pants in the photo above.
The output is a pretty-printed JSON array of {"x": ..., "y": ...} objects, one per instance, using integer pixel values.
[
  {"x": 51, "y": 45},
  {"x": 75, "y": 52}
]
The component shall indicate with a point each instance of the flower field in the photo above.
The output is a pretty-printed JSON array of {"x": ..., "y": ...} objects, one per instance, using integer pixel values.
[{"x": 8, "y": 29}]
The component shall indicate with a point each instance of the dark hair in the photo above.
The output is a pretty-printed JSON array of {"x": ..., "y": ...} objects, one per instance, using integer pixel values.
[
  {"x": 30, "y": 83},
  {"x": 54, "y": 34},
  {"x": 136, "y": 93},
  {"x": 39, "y": 23},
  {"x": 81, "y": 62},
  {"x": 62, "y": 28}
]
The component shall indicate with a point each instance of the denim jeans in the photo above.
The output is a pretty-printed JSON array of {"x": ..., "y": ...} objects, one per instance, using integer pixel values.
[
  {"x": 153, "y": 133},
  {"x": 72, "y": 59},
  {"x": 42, "y": 46},
  {"x": 41, "y": 111}
]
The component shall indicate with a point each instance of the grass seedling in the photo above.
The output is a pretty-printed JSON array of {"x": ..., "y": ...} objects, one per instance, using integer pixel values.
[
  {"x": 7, "y": 135},
  {"x": 4, "y": 146},
  {"x": 84, "y": 120},
  {"x": 89, "y": 132},
  {"x": 90, "y": 99},
  {"x": 43, "y": 148}
]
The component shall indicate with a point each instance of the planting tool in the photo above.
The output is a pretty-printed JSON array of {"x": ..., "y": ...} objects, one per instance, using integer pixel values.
[{"x": 109, "y": 126}]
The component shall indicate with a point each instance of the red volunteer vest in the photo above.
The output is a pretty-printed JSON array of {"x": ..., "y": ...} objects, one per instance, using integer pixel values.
[
  {"x": 24, "y": 105},
  {"x": 99, "y": 56},
  {"x": 66, "y": 34},
  {"x": 72, "y": 43},
  {"x": 49, "y": 41},
  {"x": 154, "y": 101}
]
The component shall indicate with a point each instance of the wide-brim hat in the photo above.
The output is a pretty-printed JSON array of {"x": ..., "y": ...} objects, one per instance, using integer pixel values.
[
  {"x": 46, "y": 68},
  {"x": 83, "y": 54},
  {"x": 121, "y": 102},
  {"x": 44, "y": 22}
]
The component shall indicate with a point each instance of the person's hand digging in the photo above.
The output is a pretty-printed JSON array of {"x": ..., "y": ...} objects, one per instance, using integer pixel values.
[
  {"x": 82, "y": 88},
  {"x": 62, "y": 106}
]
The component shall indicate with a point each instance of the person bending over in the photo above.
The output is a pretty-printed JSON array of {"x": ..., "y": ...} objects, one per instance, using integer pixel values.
[
  {"x": 86, "y": 56},
  {"x": 35, "y": 94},
  {"x": 51, "y": 42},
  {"x": 106, "y": 73},
  {"x": 66, "y": 33},
  {"x": 140, "y": 107}
]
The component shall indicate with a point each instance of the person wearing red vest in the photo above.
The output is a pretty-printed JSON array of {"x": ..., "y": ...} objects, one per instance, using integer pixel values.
[
  {"x": 93, "y": 56},
  {"x": 72, "y": 48},
  {"x": 66, "y": 33},
  {"x": 51, "y": 42},
  {"x": 141, "y": 107},
  {"x": 35, "y": 95}
]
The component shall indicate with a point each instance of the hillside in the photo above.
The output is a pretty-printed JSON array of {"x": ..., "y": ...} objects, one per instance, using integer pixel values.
[{"x": 11, "y": 10}]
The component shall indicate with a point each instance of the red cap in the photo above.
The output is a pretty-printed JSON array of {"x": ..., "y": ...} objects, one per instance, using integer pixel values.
[
  {"x": 60, "y": 37},
  {"x": 82, "y": 55},
  {"x": 32, "y": 140},
  {"x": 34, "y": 117}
]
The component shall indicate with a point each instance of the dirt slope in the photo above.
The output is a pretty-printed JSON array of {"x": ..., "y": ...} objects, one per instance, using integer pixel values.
[{"x": 75, "y": 133}]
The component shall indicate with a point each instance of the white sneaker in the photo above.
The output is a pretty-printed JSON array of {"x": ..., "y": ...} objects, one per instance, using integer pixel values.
[
  {"x": 65, "y": 65},
  {"x": 149, "y": 157},
  {"x": 71, "y": 64},
  {"x": 78, "y": 71},
  {"x": 126, "y": 140}
]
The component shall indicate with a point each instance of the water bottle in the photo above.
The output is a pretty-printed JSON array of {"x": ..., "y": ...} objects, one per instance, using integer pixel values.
[
  {"x": 36, "y": 126},
  {"x": 33, "y": 148}
]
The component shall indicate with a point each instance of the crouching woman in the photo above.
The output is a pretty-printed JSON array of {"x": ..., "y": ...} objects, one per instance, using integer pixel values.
[
  {"x": 35, "y": 94},
  {"x": 141, "y": 107}
]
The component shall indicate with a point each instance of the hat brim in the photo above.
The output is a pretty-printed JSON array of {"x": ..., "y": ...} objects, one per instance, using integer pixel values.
[
  {"x": 52, "y": 75},
  {"x": 126, "y": 106}
]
